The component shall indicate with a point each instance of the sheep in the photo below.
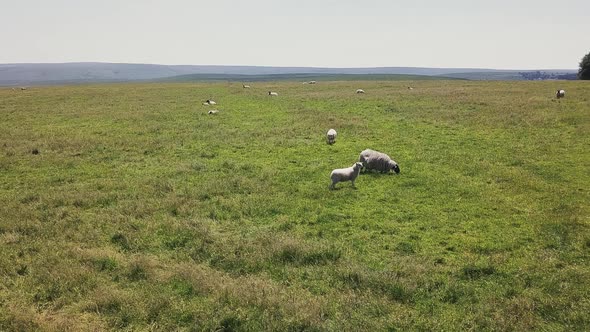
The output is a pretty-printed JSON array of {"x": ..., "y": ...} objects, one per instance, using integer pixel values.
[
  {"x": 312, "y": 82},
  {"x": 23, "y": 88},
  {"x": 209, "y": 102},
  {"x": 560, "y": 94},
  {"x": 360, "y": 91},
  {"x": 270, "y": 93},
  {"x": 378, "y": 161},
  {"x": 345, "y": 174},
  {"x": 213, "y": 112},
  {"x": 410, "y": 88},
  {"x": 245, "y": 86},
  {"x": 331, "y": 136}
]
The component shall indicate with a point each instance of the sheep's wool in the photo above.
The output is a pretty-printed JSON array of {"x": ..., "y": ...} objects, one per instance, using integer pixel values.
[{"x": 376, "y": 160}]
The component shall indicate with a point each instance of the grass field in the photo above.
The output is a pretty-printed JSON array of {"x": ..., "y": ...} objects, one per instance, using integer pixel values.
[{"x": 142, "y": 212}]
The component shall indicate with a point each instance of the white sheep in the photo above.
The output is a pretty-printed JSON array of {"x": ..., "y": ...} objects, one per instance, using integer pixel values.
[
  {"x": 245, "y": 86},
  {"x": 209, "y": 102},
  {"x": 23, "y": 88},
  {"x": 560, "y": 94},
  {"x": 312, "y": 82},
  {"x": 270, "y": 93},
  {"x": 379, "y": 161},
  {"x": 360, "y": 91},
  {"x": 213, "y": 112},
  {"x": 331, "y": 136},
  {"x": 345, "y": 174}
]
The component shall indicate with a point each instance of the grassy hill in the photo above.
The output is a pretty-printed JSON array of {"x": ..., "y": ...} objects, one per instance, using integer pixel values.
[
  {"x": 492, "y": 76},
  {"x": 515, "y": 75},
  {"x": 126, "y": 206}
]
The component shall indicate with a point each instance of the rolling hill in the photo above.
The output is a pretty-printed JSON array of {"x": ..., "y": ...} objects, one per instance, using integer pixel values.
[{"x": 96, "y": 72}]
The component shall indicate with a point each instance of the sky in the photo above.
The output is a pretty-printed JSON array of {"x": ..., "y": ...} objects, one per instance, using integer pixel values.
[{"x": 502, "y": 34}]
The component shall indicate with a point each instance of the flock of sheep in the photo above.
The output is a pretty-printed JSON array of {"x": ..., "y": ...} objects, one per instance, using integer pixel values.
[{"x": 368, "y": 159}]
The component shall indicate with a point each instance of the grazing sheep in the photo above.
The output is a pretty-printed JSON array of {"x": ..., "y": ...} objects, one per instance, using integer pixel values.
[
  {"x": 360, "y": 91},
  {"x": 270, "y": 93},
  {"x": 209, "y": 102},
  {"x": 213, "y": 112},
  {"x": 410, "y": 88},
  {"x": 245, "y": 86},
  {"x": 305, "y": 83},
  {"x": 23, "y": 88},
  {"x": 312, "y": 82},
  {"x": 560, "y": 94},
  {"x": 345, "y": 174},
  {"x": 378, "y": 161},
  {"x": 331, "y": 136}
]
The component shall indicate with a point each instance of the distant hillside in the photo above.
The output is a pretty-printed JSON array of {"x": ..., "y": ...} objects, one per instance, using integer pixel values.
[
  {"x": 13, "y": 74},
  {"x": 92, "y": 72},
  {"x": 302, "y": 77},
  {"x": 512, "y": 75}
]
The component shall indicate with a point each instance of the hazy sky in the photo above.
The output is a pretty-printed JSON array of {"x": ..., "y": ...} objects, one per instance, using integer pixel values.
[{"x": 511, "y": 34}]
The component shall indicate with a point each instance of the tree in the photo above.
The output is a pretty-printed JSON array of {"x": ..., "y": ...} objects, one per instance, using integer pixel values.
[{"x": 584, "y": 72}]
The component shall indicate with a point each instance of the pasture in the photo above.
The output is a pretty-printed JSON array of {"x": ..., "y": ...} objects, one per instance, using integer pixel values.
[{"x": 127, "y": 206}]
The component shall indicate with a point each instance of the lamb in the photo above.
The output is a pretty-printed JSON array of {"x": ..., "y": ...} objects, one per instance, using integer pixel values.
[
  {"x": 331, "y": 136},
  {"x": 360, "y": 91},
  {"x": 245, "y": 86},
  {"x": 345, "y": 174},
  {"x": 213, "y": 112},
  {"x": 560, "y": 94},
  {"x": 209, "y": 102},
  {"x": 378, "y": 161},
  {"x": 272, "y": 93}
]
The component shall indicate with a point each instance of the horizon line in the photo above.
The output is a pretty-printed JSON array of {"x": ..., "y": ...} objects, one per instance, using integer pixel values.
[{"x": 273, "y": 66}]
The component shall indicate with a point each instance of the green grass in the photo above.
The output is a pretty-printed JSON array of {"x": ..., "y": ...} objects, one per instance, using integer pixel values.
[{"x": 142, "y": 212}]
